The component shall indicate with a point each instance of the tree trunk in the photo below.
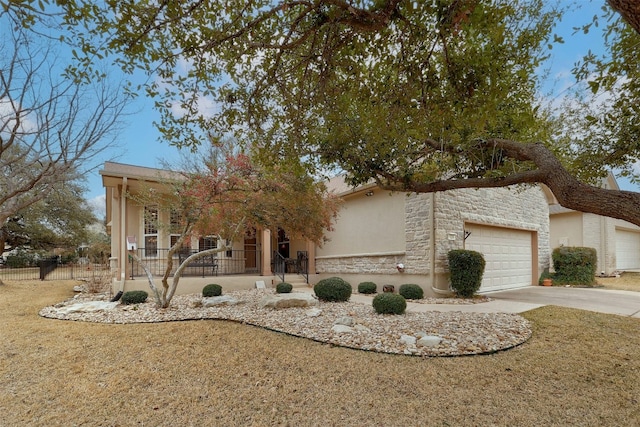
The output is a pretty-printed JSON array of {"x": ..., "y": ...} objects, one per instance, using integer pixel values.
[
  {"x": 629, "y": 10},
  {"x": 570, "y": 192}
]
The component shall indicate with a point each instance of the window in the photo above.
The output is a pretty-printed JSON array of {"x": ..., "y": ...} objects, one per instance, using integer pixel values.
[
  {"x": 175, "y": 225},
  {"x": 151, "y": 231},
  {"x": 207, "y": 242}
]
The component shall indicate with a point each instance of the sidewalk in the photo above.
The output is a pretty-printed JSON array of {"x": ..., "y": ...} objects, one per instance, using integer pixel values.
[{"x": 623, "y": 303}]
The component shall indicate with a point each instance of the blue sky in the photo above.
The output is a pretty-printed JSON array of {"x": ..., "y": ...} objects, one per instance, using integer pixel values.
[{"x": 140, "y": 145}]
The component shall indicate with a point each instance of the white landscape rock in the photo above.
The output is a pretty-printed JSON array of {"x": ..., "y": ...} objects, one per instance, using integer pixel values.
[
  {"x": 408, "y": 340},
  {"x": 87, "y": 307},
  {"x": 429, "y": 341},
  {"x": 344, "y": 320},
  {"x": 313, "y": 312},
  {"x": 219, "y": 300},
  {"x": 342, "y": 329},
  {"x": 278, "y": 301}
]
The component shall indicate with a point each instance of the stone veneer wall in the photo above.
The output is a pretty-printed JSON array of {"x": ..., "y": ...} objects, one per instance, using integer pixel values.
[
  {"x": 516, "y": 207},
  {"x": 360, "y": 264}
]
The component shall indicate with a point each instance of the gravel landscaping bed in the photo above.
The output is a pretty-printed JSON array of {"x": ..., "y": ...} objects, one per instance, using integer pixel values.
[{"x": 458, "y": 333}]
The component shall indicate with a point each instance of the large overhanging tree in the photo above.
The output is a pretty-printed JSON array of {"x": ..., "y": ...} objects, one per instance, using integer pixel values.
[{"x": 419, "y": 96}]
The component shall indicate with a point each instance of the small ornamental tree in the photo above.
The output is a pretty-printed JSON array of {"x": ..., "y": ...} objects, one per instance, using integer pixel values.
[{"x": 228, "y": 194}]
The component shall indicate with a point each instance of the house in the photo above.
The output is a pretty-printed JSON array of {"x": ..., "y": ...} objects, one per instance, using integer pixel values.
[
  {"x": 616, "y": 242},
  {"x": 396, "y": 238},
  {"x": 256, "y": 255},
  {"x": 383, "y": 237}
]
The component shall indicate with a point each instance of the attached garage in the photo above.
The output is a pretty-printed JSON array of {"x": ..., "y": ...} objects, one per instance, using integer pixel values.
[
  {"x": 627, "y": 250},
  {"x": 508, "y": 254}
]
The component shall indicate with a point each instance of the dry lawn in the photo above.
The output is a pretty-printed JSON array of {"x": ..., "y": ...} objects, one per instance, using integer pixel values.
[
  {"x": 626, "y": 282},
  {"x": 579, "y": 369}
]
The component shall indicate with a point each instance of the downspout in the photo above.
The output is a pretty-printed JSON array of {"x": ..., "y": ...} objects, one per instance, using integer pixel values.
[
  {"x": 603, "y": 245},
  {"x": 432, "y": 251}
]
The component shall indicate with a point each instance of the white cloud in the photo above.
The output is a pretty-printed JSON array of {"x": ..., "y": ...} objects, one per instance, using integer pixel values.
[{"x": 98, "y": 205}]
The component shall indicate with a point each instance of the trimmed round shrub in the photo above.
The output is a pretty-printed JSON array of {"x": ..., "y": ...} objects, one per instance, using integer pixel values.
[
  {"x": 466, "y": 268},
  {"x": 388, "y": 303},
  {"x": 367, "y": 288},
  {"x": 212, "y": 290},
  {"x": 284, "y": 288},
  {"x": 333, "y": 289},
  {"x": 411, "y": 291},
  {"x": 134, "y": 297}
]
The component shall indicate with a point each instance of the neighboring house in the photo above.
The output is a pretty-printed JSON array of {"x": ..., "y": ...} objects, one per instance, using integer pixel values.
[
  {"x": 377, "y": 231},
  {"x": 252, "y": 255},
  {"x": 617, "y": 242}
]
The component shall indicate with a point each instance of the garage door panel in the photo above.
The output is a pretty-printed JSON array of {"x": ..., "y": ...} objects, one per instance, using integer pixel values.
[
  {"x": 627, "y": 250},
  {"x": 507, "y": 253}
]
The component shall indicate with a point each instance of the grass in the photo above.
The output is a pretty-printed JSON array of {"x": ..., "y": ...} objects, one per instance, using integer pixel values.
[
  {"x": 579, "y": 368},
  {"x": 626, "y": 282}
]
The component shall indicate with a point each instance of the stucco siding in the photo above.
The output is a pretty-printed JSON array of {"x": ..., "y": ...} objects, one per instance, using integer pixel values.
[
  {"x": 518, "y": 208},
  {"x": 369, "y": 235}
]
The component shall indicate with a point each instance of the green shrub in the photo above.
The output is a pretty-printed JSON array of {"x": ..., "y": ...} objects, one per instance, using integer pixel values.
[
  {"x": 333, "y": 289},
  {"x": 134, "y": 297},
  {"x": 575, "y": 266},
  {"x": 367, "y": 288},
  {"x": 388, "y": 303},
  {"x": 411, "y": 291},
  {"x": 284, "y": 288},
  {"x": 466, "y": 268},
  {"x": 21, "y": 258},
  {"x": 212, "y": 290}
]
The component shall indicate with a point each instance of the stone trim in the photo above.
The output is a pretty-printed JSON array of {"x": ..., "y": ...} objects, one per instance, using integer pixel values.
[{"x": 365, "y": 255}]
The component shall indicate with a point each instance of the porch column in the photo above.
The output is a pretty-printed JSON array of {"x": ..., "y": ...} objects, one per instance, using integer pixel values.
[
  {"x": 122, "y": 235},
  {"x": 265, "y": 256}
]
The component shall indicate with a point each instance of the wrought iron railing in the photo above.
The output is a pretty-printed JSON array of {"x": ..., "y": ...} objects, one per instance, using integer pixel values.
[
  {"x": 279, "y": 265},
  {"x": 228, "y": 262},
  {"x": 302, "y": 265},
  {"x": 298, "y": 265}
]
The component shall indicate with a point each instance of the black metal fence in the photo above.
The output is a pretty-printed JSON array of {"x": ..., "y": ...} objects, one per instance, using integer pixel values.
[
  {"x": 223, "y": 263},
  {"x": 52, "y": 270}
]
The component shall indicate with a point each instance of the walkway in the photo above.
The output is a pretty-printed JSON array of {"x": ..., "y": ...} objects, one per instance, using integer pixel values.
[{"x": 623, "y": 303}]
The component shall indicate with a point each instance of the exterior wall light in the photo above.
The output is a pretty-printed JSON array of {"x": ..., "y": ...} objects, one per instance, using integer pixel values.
[{"x": 400, "y": 268}]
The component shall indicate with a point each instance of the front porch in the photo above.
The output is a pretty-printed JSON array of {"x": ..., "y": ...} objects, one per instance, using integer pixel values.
[
  {"x": 233, "y": 269},
  {"x": 194, "y": 284}
]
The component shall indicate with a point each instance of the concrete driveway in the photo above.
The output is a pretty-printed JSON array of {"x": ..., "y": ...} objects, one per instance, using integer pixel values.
[{"x": 624, "y": 303}]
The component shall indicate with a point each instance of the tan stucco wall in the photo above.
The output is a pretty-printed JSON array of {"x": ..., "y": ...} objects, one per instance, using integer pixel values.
[
  {"x": 367, "y": 225},
  {"x": 405, "y": 235},
  {"x": 566, "y": 229}
]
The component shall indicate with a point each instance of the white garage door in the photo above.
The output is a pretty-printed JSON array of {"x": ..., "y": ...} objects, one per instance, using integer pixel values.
[
  {"x": 627, "y": 250},
  {"x": 507, "y": 253}
]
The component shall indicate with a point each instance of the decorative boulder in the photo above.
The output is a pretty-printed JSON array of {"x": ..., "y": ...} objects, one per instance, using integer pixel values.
[
  {"x": 342, "y": 329},
  {"x": 87, "y": 307},
  {"x": 429, "y": 341},
  {"x": 388, "y": 288},
  {"x": 279, "y": 301},
  {"x": 219, "y": 300}
]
